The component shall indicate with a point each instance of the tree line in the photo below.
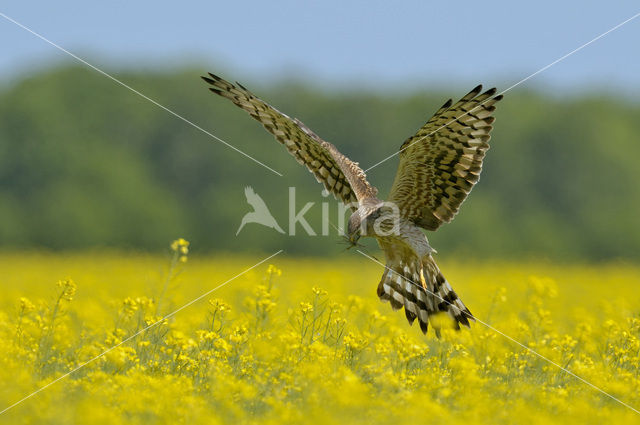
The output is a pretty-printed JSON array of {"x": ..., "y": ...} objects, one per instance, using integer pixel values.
[{"x": 85, "y": 163}]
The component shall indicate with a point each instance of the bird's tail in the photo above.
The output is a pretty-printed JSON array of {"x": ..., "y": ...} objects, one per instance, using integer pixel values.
[{"x": 423, "y": 291}]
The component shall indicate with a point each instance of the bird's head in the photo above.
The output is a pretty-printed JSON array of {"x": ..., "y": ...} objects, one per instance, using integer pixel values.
[
  {"x": 361, "y": 223},
  {"x": 354, "y": 230},
  {"x": 378, "y": 220}
]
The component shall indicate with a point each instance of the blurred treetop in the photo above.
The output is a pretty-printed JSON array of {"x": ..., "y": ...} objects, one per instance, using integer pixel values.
[{"x": 85, "y": 163}]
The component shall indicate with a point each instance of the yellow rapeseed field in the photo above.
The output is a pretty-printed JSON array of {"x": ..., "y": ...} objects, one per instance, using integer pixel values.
[{"x": 307, "y": 341}]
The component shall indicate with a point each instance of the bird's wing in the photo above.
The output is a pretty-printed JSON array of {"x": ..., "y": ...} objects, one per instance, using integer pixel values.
[
  {"x": 441, "y": 163},
  {"x": 341, "y": 177},
  {"x": 254, "y": 199}
]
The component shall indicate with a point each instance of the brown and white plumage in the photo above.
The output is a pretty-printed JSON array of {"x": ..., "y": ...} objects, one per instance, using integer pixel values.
[
  {"x": 340, "y": 176},
  {"x": 438, "y": 167},
  {"x": 441, "y": 163}
]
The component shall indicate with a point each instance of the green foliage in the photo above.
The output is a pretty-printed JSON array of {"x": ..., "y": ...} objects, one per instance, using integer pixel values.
[{"x": 85, "y": 162}]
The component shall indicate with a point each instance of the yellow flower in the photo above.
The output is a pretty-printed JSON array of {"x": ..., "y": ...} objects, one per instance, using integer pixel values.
[
  {"x": 318, "y": 292},
  {"x": 305, "y": 307},
  {"x": 273, "y": 270},
  {"x": 355, "y": 342},
  {"x": 222, "y": 345},
  {"x": 219, "y": 305},
  {"x": 180, "y": 245},
  {"x": 26, "y": 306},
  {"x": 502, "y": 294},
  {"x": 68, "y": 289},
  {"x": 129, "y": 306}
]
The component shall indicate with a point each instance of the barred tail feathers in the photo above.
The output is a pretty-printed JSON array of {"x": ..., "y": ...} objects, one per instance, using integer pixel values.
[{"x": 423, "y": 291}]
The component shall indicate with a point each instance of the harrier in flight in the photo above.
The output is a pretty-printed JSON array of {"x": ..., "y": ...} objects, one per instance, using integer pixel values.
[{"x": 438, "y": 167}]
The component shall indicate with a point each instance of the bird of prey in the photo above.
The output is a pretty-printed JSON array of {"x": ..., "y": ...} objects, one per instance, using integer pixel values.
[
  {"x": 260, "y": 213},
  {"x": 438, "y": 167}
]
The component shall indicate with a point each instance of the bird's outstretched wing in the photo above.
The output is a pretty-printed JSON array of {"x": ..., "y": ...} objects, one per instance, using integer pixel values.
[
  {"x": 441, "y": 163},
  {"x": 254, "y": 199},
  {"x": 341, "y": 177}
]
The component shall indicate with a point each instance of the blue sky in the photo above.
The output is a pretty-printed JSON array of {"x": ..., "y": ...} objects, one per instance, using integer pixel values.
[{"x": 386, "y": 45}]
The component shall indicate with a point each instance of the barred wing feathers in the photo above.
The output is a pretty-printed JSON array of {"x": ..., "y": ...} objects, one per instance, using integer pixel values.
[
  {"x": 440, "y": 164},
  {"x": 341, "y": 177}
]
